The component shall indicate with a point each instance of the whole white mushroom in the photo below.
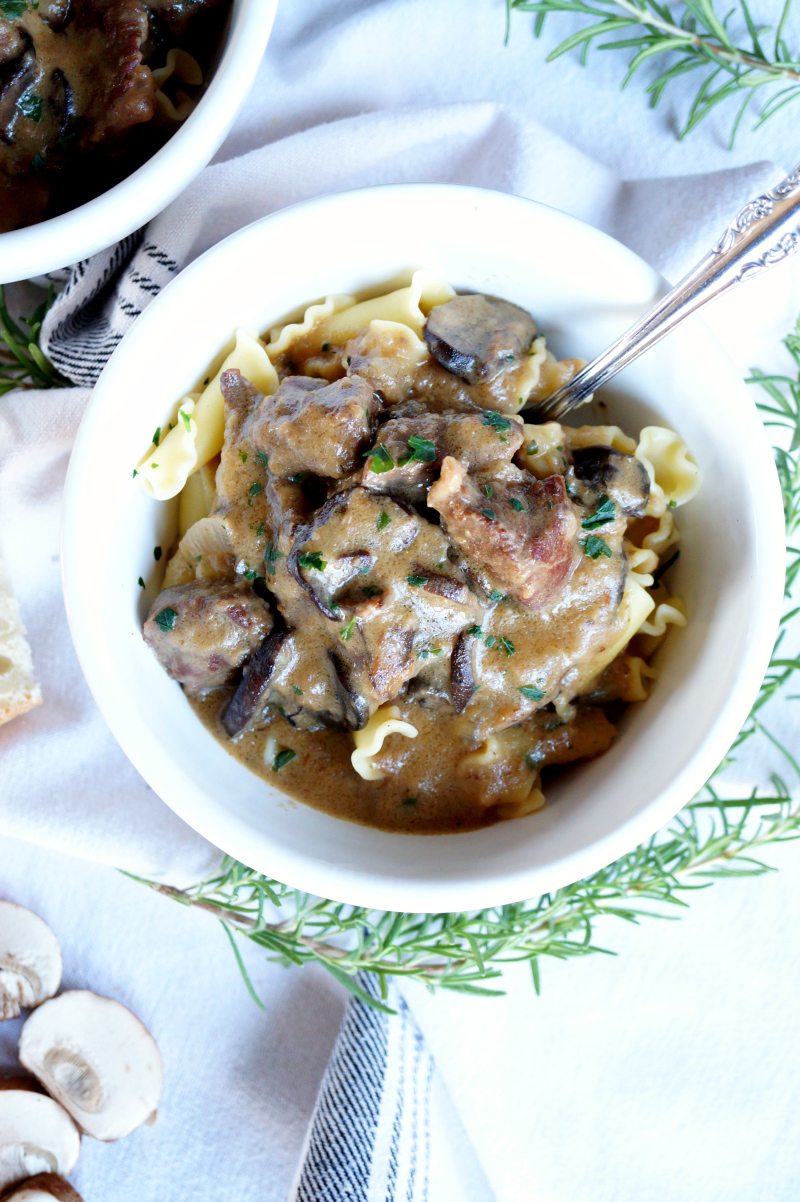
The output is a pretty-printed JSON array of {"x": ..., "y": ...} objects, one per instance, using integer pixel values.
[
  {"x": 30, "y": 960},
  {"x": 97, "y": 1059},
  {"x": 36, "y": 1135},
  {"x": 44, "y": 1187}
]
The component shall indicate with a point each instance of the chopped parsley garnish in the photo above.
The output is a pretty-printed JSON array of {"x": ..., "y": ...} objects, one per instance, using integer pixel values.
[
  {"x": 596, "y": 546},
  {"x": 141, "y": 583},
  {"x": 298, "y": 477},
  {"x": 311, "y": 559},
  {"x": 347, "y": 630},
  {"x": 270, "y": 556},
  {"x": 156, "y": 553},
  {"x": 381, "y": 459},
  {"x": 30, "y": 105},
  {"x": 326, "y": 346},
  {"x": 166, "y": 618},
  {"x": 187, "y": 421},
  {"x": 383, "y": 521},
  {"x": 154, "y": 465},
  {"x": 243, "y": 456},
  {"x": 255, "y": 488},
  {"x": 496, "y": 421},
  {"x": 422, "y": 450},
  {"x": 487, "y": 489},
  {"x": 489, "y": 513},
  {"x": 134, "y": 474},
  {"x": 206, "y": 381},
  {"x": 531, "y": 692},
  {"x": 416, "y": 581},
  {"x": 428, "y": 653},
  {"x": 260, "y": 530},
  {"x": 476, "y": 631},
  {"x": 496, "y": 595},
  {"x": 673, "y": 504},
  {"x": 507, "y": 646},
  {"x": 371, "y": 590},
  {"x": 198, "y": 558},
  {"x": 263, "y": 456},
  {"x": 283, "y": 758},
  {"x": 250, "y": 574},
  {"x": 157, "y": 436},
  {"x": 602, "y": 515},
  {"x": 13, "y": 8},
  {"x": 297, "y": 692},
  {"x": 490, "y": 640},
  {"x": 532, "y": 448},
  {"x": 515, "y": 504}
]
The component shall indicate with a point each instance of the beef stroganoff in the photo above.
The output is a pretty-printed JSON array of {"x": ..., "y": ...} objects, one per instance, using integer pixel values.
[{"x": 391, "y": 596}]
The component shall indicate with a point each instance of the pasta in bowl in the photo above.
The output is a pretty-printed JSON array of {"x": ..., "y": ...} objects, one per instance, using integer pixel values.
[
  {"x": 389, "y": 587},
  {"x": 119, "y": 539}
]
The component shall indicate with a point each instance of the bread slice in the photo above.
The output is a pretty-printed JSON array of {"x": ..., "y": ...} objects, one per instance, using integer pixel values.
[{"x": 19, "y": 691}]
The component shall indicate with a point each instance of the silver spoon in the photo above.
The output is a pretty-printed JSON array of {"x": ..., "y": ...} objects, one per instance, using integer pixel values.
[{"x": 757, "y": 238}]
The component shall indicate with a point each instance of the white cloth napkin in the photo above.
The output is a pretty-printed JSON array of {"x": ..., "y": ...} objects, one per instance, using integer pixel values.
[{"x": 64, "y": 784}]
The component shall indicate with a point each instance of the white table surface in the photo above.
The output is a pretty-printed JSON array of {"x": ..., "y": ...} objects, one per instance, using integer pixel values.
[{"x": 670, "y": 1073}]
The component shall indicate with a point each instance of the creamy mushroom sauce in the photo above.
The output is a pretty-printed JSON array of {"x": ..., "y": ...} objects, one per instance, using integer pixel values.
[{"x": 413, "y": 547}]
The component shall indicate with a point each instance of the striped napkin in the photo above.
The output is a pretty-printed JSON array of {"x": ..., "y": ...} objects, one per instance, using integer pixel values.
[{"x": 384, "y": 1128}]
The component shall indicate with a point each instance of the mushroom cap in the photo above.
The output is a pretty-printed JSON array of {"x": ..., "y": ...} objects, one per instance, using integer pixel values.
[
  {"x": 44, "y": 1187},
  {"x": 30, "y": 960},
  {"x": 97, "y": 1059},
  {"x": 36, "y": 1136}
]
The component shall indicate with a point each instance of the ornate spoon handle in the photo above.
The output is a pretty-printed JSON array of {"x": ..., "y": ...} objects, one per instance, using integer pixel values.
[{"x": 765, "y": 232}]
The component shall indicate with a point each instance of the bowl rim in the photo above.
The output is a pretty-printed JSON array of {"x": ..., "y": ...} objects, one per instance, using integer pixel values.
[
  {"x": 123, "y": 209},
  {"x": 234, "y": 836}
]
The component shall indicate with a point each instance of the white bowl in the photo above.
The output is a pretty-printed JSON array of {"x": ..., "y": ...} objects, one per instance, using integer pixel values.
[
  {"x": 114, "y": 214},
  {"x": 583, "y": 288}
]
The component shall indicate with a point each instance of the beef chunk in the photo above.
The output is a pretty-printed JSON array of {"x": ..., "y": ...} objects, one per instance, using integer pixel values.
[
  {"x": 478, "y": 337},
  {"x": 602, "y": 471},
  {"x": 384, "y": 587},
  {"x": 417, "y": 441},
  {"x": 204, "y": 630},
  {"x": 311, "y": 426},
  {"x": 520, "y": 533}
]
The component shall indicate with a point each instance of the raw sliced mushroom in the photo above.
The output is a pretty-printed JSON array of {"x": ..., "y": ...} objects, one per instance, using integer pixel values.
[
  {"x": 97, "y": 1059},
  {"x": 44, "y": 1187},
  {"x": 36, "y": 1136},
  {"x": 30, "y": 960}
]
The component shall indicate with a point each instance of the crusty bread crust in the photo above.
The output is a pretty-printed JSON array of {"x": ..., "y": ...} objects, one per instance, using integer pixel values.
[{"x": 19, "y": 690}]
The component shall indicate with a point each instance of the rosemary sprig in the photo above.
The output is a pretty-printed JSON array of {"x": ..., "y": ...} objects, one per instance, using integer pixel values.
[
  {"x": 695, "y": 38},
  {"x": 22, "y": 364},
  {"x": 711, "y": 839}
]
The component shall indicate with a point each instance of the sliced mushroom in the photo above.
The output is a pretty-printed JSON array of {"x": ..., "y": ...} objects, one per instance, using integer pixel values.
[
  {"x": 30, "y": 960},
  {"x": 462, "y": 678},
  {"x": 600, "y": 469},
  {"x": 247, "y": 703},
  {"x": 36, "y": 1136},
  {"x": 97, "y": 1059},
  {"x": 44, "y": 1187},
  {"x": 476, "y": 337}
]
